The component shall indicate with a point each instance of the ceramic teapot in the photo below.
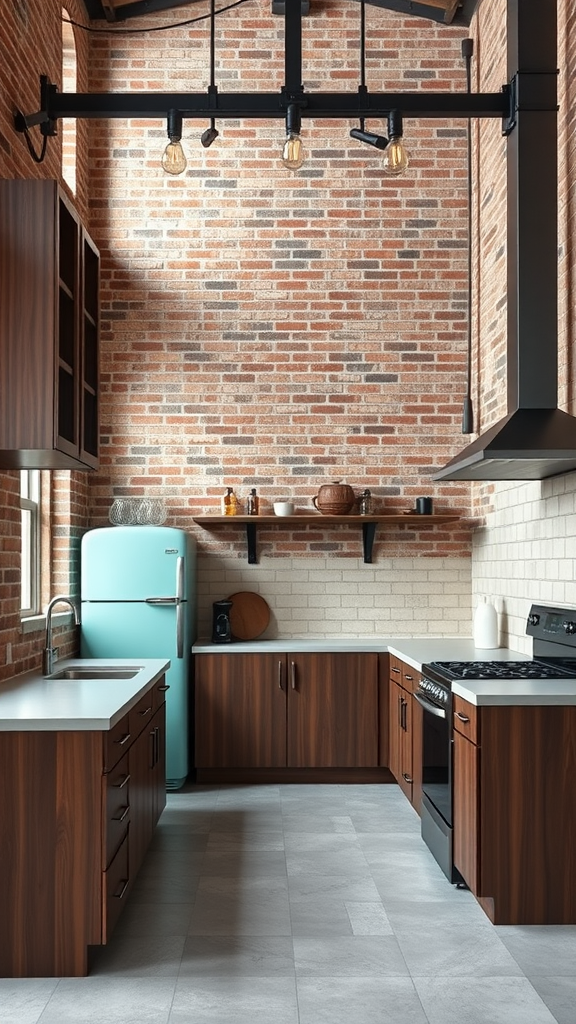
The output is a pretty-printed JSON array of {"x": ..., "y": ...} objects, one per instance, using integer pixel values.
[{"x": 335, "y": 499}]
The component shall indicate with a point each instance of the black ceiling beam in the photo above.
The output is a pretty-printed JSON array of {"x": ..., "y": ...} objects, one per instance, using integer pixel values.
[
  {"x": 273, "y": 105},
  {"x": 412, "y": 8}
]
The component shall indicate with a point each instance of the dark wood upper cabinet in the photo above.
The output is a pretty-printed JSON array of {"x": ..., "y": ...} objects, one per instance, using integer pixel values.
[{"x": 49, "y": 330}]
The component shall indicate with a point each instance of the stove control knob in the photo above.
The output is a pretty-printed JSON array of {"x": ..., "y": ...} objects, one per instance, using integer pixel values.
[
  {"x": 534, "y": 619},
  {"x": 569, "y": 627}
]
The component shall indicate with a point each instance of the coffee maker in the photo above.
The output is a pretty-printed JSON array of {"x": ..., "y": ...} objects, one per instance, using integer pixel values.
[{"x": 221, "y": 625}]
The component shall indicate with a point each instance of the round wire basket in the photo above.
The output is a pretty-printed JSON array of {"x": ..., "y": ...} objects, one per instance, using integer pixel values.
[{"x": 137, "y": 512}]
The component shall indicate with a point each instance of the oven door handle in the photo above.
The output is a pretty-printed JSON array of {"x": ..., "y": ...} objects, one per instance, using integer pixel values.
[{"x": 439, "y": 712}]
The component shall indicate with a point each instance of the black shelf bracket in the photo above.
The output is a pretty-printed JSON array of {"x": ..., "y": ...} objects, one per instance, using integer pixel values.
[
  {"x": 251, "y": 542},
  {"x": 368, "y": 535}
]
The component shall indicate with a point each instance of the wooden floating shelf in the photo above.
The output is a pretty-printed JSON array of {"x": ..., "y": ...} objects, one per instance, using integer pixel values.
[{"x": 368, "y": 524}]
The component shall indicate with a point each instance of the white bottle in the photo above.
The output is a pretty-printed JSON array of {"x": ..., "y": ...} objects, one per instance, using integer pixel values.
[{"x": 485, "y": 625}]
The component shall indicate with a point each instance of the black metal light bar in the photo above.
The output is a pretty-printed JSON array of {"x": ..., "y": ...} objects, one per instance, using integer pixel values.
[{"x": 269, "y": 105}]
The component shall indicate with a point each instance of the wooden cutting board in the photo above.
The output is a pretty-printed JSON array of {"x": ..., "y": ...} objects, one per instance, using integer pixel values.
[{"x": 249, "y": 615}]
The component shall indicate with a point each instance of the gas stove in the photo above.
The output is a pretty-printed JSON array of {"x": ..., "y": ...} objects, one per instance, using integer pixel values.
[
  {"x": 449, "y": 671},
  {"x": 554, "y": 641}
]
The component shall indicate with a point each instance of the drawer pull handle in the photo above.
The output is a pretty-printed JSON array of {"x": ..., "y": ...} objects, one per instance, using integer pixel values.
[
  {"x": 120, "y": 892},
  {"x": 124, "y": 739},
  {"x": 407, "y": 778},
  {"x": 125, "y": 781},
  {"x": 463, "y": 718},
  {"x": 396, "y": 670},
  {"x": 408, "y": 677},
  {"x": 125, "y": 812},
  {"x": 146, "y": 712},
  {"x": 164, "y": 688}
]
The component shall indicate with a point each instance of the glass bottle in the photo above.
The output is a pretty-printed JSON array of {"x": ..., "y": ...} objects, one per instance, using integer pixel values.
[
  {"x": 366, "y": 503},
  {"x": 252, "y": 503},
  {"x": 230, "y": 503}
]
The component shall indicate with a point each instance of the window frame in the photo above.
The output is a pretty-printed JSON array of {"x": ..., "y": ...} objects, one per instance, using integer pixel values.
[{"x": 30, "y": 550}]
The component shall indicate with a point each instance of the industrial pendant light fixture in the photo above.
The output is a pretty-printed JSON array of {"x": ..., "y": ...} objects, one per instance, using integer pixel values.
[
  {"x": 173, "y": 158},
  {"x": 293, "y": 151},
  {"x": 396, "y": 159}
]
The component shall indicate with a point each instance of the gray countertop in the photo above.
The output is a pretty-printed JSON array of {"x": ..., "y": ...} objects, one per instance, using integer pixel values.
[{"x": 32, "y": 702}]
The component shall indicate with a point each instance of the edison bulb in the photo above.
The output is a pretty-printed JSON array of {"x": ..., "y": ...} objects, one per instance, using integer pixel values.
[
  {"x": 293, "y": 152},
  {"x": 173, "y": 159},
  {"x": 396, "y": 157}
]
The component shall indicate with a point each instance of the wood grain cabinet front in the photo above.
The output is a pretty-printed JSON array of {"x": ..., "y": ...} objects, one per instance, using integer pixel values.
[
  {"x": 405, "y": 730},
  {"x": 49, "y": 325},
  {"x": 296, "y": 710},
  {"x": 514, "y": 809},
  {"x": 78, "y": 809}
]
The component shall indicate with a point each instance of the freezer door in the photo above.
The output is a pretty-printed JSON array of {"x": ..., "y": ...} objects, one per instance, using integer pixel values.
[{"x": 133, "y": 563}]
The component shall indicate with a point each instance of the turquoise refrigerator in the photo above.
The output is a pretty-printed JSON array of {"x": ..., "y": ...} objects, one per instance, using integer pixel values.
[{"x": 138, "y": 601}]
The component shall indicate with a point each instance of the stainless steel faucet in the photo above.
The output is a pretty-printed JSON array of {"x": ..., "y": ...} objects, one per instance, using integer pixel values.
[{"x": 49, "y": 653}]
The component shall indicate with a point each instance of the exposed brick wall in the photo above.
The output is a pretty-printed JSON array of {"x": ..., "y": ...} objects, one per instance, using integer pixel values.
[
  {"x": 279, "y": 330},
  {"x": 275, "y": 329}
]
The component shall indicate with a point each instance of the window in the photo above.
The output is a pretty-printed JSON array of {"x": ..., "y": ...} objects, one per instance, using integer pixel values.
[
  {"x": 67, "y": 126},
  {"x": 30, "y": 542}
]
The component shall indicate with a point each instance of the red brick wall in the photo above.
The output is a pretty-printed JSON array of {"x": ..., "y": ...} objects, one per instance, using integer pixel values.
[{"x": 274, "y": 329}]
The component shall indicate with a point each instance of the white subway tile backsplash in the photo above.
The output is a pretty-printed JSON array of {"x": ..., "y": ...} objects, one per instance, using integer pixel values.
[{"x": 319, "y": 597}]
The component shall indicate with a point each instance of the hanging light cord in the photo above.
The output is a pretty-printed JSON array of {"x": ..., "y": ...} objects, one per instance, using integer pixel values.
[
  {"x": 155, "y": 28},
  {"x": 362, "y": 88},
  {"x": 467, "y": 409}
]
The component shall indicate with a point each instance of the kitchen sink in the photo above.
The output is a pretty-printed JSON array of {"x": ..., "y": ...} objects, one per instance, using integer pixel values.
[{"x": 97, "y": 673}]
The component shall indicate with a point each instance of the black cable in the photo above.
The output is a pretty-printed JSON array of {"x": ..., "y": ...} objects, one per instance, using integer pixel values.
[
  {"x": 156, "y": 28},
  {"x": 37, "y": 157},
  {"x": 467, "y": 409}
]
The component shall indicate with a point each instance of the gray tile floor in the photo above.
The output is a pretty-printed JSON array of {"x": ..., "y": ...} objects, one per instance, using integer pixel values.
[{"x": 304, "y": 905}]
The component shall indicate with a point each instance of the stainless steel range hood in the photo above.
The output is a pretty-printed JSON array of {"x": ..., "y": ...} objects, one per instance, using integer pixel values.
[{"x": 535, "y": 439}]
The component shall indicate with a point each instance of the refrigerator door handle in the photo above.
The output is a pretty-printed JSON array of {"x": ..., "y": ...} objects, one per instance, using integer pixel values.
[
  {"x": 179, "y": 630},
  {"x": 161, "y": 600},
  {"x": 180, "y": 578}
]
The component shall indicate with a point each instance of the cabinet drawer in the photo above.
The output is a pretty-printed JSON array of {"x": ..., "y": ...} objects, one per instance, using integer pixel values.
[
  {"x": 115, "y": 890},
  {"x": 396, "y": 667},
  {"x": 117, "y": 809},
  {"x": 159, "y": 689},
  {"x": 410, "y": 678},
  {"x": 116, "y": 742},
  {"x": 466, "y": 719},
  {"x": 141, "y": 714}
]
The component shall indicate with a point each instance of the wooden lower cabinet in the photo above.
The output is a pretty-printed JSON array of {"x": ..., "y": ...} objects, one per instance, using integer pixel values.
[
  {"x": 77, "y": 811},
  {"x": 286, "y": 710},
  {"x": 405, "y": 731},
  {"x": 515, "y": 808},
  {"x": 465, "y": 809}
]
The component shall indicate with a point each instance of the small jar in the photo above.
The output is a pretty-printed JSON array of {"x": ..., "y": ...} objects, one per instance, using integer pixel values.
[
  {"x": 366, "y": 505},
  {"x": 252, "y": 503}
]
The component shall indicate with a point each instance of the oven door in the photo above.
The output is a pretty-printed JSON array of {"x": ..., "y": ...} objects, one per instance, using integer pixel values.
[{"x": 437, "y": 756}]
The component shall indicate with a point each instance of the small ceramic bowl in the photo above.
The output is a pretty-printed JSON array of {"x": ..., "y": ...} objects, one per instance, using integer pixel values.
[{"x": 284, "y": 508}]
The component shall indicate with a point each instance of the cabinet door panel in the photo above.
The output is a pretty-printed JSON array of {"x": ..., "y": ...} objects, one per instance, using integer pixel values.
[
  {"x": 240, "y": 711},
  {"x": 466, "y": 837},
  {"x": 394, "y": 720},
  {"x": 332, "y": 710}
]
